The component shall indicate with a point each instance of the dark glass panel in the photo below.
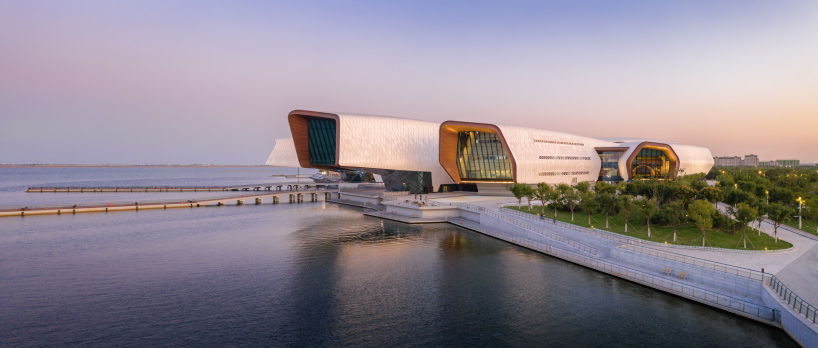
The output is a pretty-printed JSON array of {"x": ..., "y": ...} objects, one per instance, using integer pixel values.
[
  {"x": 482, "y": 157},
  {"x": 650, "y": 163},
  {"x": 321, "y": 139},
  {"x": 609, "y": 171}
]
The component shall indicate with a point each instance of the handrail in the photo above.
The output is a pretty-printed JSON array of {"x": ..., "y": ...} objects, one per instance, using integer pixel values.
[
  {"x": 718, "y": 266},
  {"x": 669, "y": 285},
  {"x": 602, "y": 234},
  {"x": 695, "y": 261},
  {"x": 121, "y": 203},
  {"x": 796, "y": 302},
  {"x": 539, "y": 230}
]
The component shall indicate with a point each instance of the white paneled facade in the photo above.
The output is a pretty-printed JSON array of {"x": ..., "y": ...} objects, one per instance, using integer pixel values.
[
  {"x": 553, "y": 157},
  {"x": 283, "y": 154},
  {"x": 693, "y": 159},
  {"x": 390, "y": 143}
]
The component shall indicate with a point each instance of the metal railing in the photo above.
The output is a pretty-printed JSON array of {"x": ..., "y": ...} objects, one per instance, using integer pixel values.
[
  {"x": 713, "y": 298},
  {"x": 672, "y": 286},
  {"x": 538, "y": 246},
  {"x": 360, "y": 204},
  {"x": 109, "y": 204},
  {"x": 172, "y": 187},
  {"x": 796, "y": 302},
  {"x": 539, "y": 230},
  {"x": 695, "y": 261},
  {"x": 598, "y": 233}
]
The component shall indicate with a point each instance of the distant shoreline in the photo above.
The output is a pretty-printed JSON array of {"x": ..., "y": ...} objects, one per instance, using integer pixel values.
[{"x": 135, "y": 166}]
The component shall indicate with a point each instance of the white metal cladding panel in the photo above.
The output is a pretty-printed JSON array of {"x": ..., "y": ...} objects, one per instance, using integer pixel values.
[
  {"x": 528, "y": 144},
  {"x": 391, "y": 143},
  {"x": 623, "y": 160},
  {"x": 693, "y": 159},
  {"x": 283, "y": 154}
]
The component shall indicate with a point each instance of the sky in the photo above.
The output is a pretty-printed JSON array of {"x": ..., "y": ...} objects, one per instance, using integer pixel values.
[{"x": 183, "y": 82}]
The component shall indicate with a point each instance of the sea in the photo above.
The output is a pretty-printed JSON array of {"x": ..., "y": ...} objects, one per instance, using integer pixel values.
[{"x": 305, "y": 275}]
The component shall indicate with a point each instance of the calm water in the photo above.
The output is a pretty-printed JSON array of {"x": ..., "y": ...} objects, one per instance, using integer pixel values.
[
  {"x": 14, "y": 181},
  {"x": 312, "y": 274}
]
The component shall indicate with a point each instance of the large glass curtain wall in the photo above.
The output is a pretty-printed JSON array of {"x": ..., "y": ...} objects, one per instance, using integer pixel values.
[
  {"x": 481, "y": 157},
  {"x": 609, "y": 172},
  {"x": 650, "y": 163},
  {"x": 321, "y": 135}
]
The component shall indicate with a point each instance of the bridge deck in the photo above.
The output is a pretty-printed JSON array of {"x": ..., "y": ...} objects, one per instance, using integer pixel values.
[{"x": 199, "y": 202}]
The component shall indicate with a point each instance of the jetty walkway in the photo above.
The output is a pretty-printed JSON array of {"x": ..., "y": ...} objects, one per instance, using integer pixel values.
[
  {"x": 313, "y": 194},
  {"x": 276, "y": 186}
]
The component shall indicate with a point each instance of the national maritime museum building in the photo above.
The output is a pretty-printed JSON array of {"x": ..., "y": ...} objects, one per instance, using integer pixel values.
[{"x": 422, "y": 156}]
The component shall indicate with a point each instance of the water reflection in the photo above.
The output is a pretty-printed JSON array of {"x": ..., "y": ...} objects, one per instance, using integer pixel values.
[{"x": 320, "y": 275}]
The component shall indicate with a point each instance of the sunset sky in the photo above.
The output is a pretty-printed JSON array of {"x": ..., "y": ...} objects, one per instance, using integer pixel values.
[{"x": 118, "y": 82}]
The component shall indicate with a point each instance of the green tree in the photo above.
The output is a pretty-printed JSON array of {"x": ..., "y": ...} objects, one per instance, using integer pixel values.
[
  {"x": 603, "y": 187},
  {"x": 588, "y": 203},
  {"x": 564, "y": 188},
  {"x": 735, "y": 196},
  {"x": 646, "y": 208},
  {"x": 528, "y": 193},
  {"x": 555, "y": 198},
  {"x": 701, "y": 212},
  {"x": 674, "y": 213},
  {"x": 782, "y": 195},
  {"x": 744, "y": 214},
  {"x": 684, "y": 194},
  {"x": 711, "y": 194},
  {"x": 582, "y": 187},
  {"x": 543, "y": 193},
  {"x": 761, "y": 208},
  {"x": 571, "y": 199},
  {"x": 625, "y": 205},
  {"x": 607, "y": 204},
  {"x": 778, "y": 213},
  {"x": 810, "y": 213},
  {"x": 518, "y": 190}
]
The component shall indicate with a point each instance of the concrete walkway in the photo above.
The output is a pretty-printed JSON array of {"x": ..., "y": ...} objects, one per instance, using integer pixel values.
[{"x": 801, "y": 276}]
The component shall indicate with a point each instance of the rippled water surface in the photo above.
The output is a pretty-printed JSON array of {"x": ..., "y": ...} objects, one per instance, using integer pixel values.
[{"x": 315, "y": 274}]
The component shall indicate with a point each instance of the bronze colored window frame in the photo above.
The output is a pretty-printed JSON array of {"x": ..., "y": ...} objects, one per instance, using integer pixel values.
[{"x": 448, "y": 148}]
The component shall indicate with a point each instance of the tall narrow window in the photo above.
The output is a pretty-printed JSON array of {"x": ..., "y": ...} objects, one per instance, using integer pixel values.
[
  {"x": 321, "y": 138},
  {"x": 609, "y": 171}
]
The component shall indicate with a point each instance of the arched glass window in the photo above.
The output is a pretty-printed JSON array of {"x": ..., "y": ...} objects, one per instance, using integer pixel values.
[{"x": 482, "y": 157}]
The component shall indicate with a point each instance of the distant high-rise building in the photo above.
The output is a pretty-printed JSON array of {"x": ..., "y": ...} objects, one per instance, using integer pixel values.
[
  {"x": 751, "y": 160},
  {"x": 789, "y": 163},
  {"x": 728, "y": 161}
]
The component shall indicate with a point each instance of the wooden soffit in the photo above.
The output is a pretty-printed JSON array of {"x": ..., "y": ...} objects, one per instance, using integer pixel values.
[
  {"x": 298, "y": 128},
  {"x": 611, "y": 149},
  {"x": 448, "y": 145}
]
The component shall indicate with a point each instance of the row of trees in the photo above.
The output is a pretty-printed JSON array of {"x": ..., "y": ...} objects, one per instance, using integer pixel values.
[
  {"x": 775, "y": 193},
  {"x": 671, "y": 202}
]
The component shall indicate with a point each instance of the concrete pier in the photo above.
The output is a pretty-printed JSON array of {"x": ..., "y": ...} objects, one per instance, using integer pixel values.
[
  {"x": 290, "y": 186},
  {"x": 294, "y": 197}
]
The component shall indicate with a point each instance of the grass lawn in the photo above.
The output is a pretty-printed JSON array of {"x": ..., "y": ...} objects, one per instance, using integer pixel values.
[
  {"x": 806, "y": 226},
  {"x": 686, "y": 234}
]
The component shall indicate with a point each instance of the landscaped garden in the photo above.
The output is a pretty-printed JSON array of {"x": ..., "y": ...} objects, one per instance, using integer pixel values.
[
  {"x": 686, "y": 234},
  {"x": 652, "y": 209}
]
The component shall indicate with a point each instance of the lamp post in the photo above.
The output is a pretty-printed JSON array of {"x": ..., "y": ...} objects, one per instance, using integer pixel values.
[
  {"x": 768, "y": 196},
  {"x": 800, "y": 203}
]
